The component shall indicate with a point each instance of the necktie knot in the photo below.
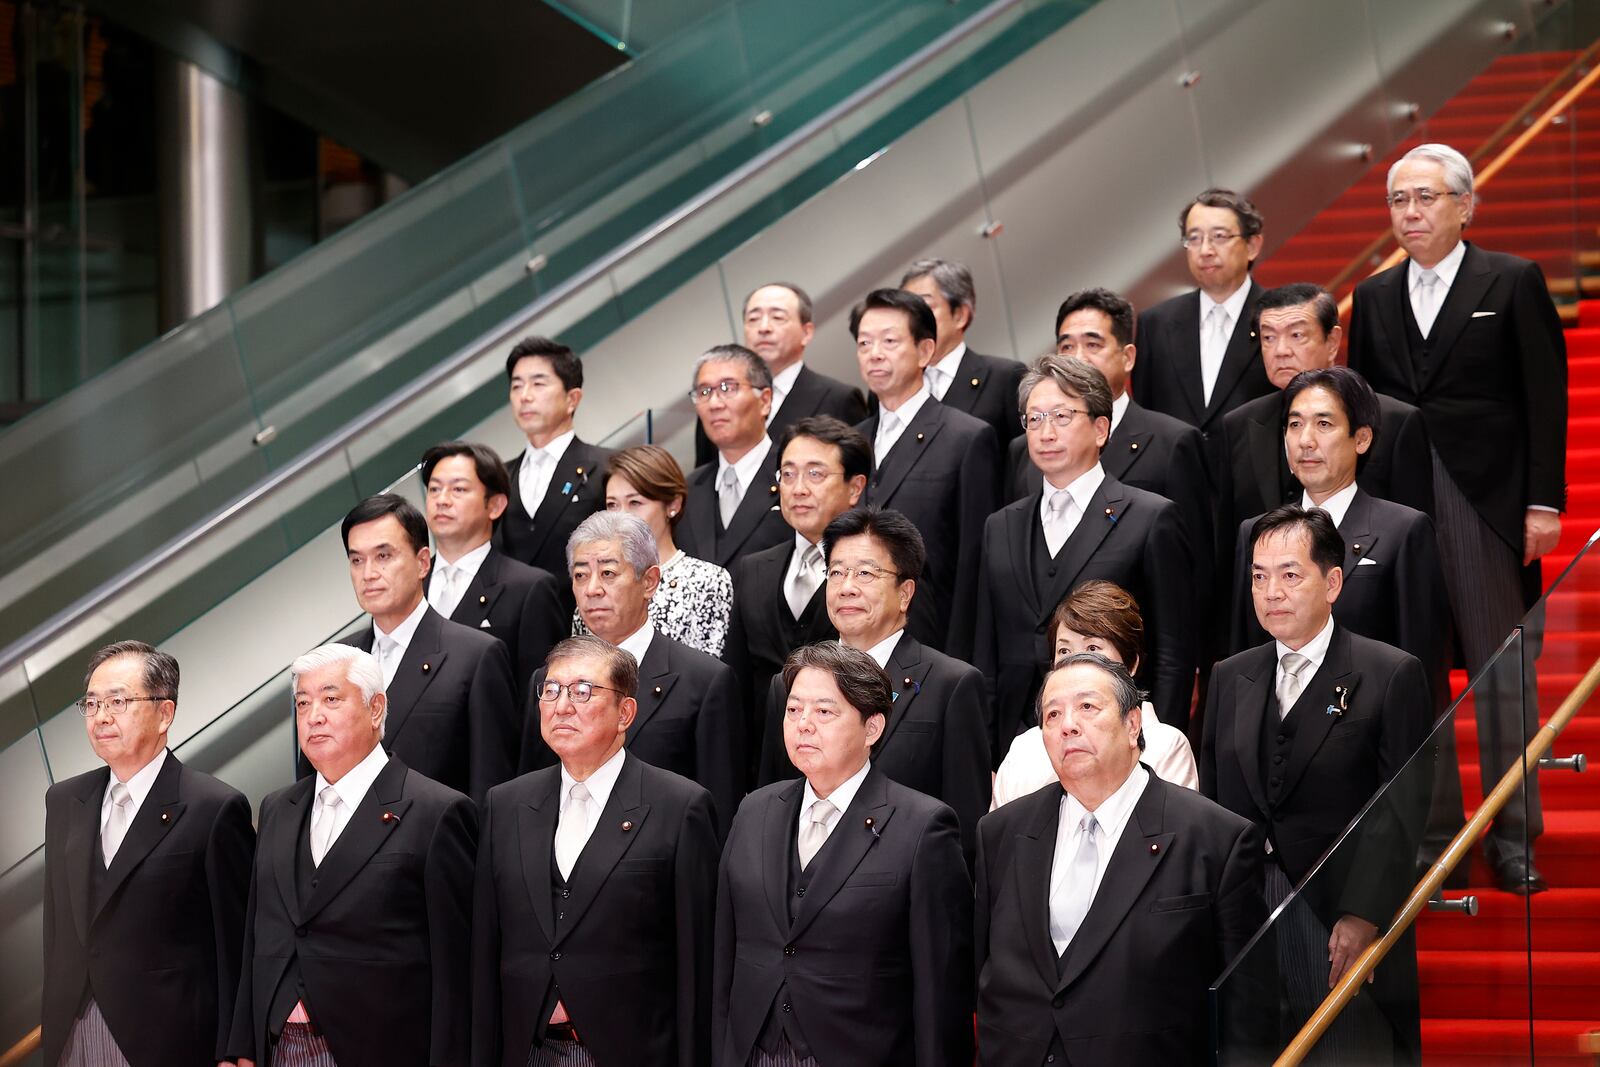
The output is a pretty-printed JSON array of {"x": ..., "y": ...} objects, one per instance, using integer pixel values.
[
  {"x": 730, "y": 478},
  {"x": 821, "y": 812},
  {"x": 1293, "y": 663},
  {"x": 1089, "y": 824},
  {"x": 1059, "y": 500},
  {"x": 120, "y": 795},
  {"x": 579, "y": 793},
  {"x": 329, "y": 796}
]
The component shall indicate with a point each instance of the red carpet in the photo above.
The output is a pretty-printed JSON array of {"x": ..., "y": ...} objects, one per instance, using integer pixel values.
[{"x": 1545, "y": 206}]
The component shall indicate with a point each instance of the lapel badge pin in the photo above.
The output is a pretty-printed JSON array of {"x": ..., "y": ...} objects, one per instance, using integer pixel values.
[
  {"x": 772, "y": 489},
  {"x": 390, "y": 816},
  {"x": 1154, "y": 849},
  {"x": 1133, "y": 446},
  {"x": 166, "y": 816},
  {"x": 893, "y": 697},
  {"x": 483, "y": 599},
  {"x": 1356, "y": 549},
  {"x": 626, "y": 826},
  {"x": 975, "y": 383},
  {"x": 919, "y": 437},
  {"x": 566, "y": 487},
  {"x": 1111, "y": 516},
  {"x": 658, "y": 690},
  {"x": 426, "y": 667},
  {"x": 874, "y": 828}
]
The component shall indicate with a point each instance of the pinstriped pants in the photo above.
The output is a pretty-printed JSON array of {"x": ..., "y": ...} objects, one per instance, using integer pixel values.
[
  {"x": 784, "y": 1057},
  {"x": 300, "y": 1047},
  {"x": 90, "y": 1043},
  {"x": 551, "y": 1053}
]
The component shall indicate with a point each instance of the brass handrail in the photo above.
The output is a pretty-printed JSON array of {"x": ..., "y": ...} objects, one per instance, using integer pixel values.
[
  {"x": 22, "y": 1049},
  {"x": 1300, "y": 1047},
  {"x": 1484, "y": 176}
]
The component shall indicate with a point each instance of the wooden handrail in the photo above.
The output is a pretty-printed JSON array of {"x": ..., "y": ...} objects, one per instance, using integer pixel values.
[
  {"x": 1486, "y": 175},
  {"x": 1510, "y": 782},
  {"x": 21, "y": 1050}
]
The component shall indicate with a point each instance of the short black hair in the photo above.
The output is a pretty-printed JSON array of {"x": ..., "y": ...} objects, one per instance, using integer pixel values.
[
  {"x": 491, "y": 471},
  {"x": 802, "y": 299},
  {"x": 855, "y": 451},
  {"x": 160, "y": 668},
  {"x": 864, "y": 685},
  {"x": 376, "y": 507},
  {"x": 1118, "y": 310},
  {"x": 924, "y": 327},
  {"x": 898, "y": 534},
  {"x": 1360, "y": 402},
  {"x": 1327, "y": 546},
  {"x": 1293, "y": 295},
  {"x": 567, "y": 366},
  {"x": 1250, "y": 221}
]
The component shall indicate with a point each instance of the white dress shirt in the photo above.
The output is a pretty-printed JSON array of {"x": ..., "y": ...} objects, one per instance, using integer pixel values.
[
  {"x": 401, "y": 637},
  {"x": 1446, "y": 270},
  {"x": 1081, "y": 489},
  {"x": 599, "y": 784},
  {"x": 1112, "y": 815},
  {"x": 1119, "y": 408},
  {"x": 450, "y": 580},
  {"x": 352, "y": 789},
  {"x": 783, "y": 385},
  {"x": 1336, "y": 505},
  {"x": 637, "y": 644},
  {"x": 1027, "y": 768},
  {"x": 746, "y": 467},
  {"x": 840, "y": 798},
  {"x": 533, "y": 477},
  {"x": 1315, "y": 650},
  {"x": 1211, "y": 354},
  {"x": 889, "y": 430},
  {"x": 881, "y": 651},
  {"x": 938, "y": 376},
  {"x": 138, "y": 787}
]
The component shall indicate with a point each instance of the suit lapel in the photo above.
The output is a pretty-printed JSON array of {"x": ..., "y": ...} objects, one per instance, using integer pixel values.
[
  {"x": 1035, "y": 850},
  {"x": 1130, "y": 869},
  {"x": 1314, "y": 720},
  {"x": 536, "y": 837},
  {"x": 1241, "y": 352},
  {"x": 656, "y": 680},
  {"x": 82, "y": 828},
  {"x": 1356, "y": 529},
  {"x": 783, "y": 809},
  {"x": 806, "y": 395},
  {"x": 846, "y": 847},
  {"x": 157, "y": 816},
  {"x": 966, "y": 385},
  {"x": 1019, "y": 535},
  {"x": 1127, "y": 443},
  {"x": 618, "y": 828},
  {"x": 283, "y": 839},
  {"x": 1392, "y": 310},
  {"x": 1107, "y": 507},
  {"x": 1183, "y": 341},
  {"x": 760, "y": 498},
  {"x": 907, "y": 451},
  {"x": 700, "y": 508},
  {"x": 906, "y": 672},
  {"x": 1472, "y": 281},
  {"x": 1253, "y": 701},
  {"x": 570, "y": 476},
  {"x": 378, "y": 815},
  {"x": 419, "y": 666},
  {"x": 479, "y": 598}
]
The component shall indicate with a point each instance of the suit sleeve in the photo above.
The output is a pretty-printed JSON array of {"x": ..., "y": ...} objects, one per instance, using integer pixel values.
[
  {"x": 244, "y": 1034},
  {"x": 1242, "y": 606},
  {"x": 1424, "y": 609},
  {"x": 980, "y": 907},
  {"x": 1170, "y": 617},
  {"x": 1411, "y": 466},
  {"x": 492, "y": 720},
  {"x": 1542, "y": 350},
  {"x": 544, "y": 624},
  {"x": 736, "y": 651},
  {"x": 1249, "y": 999},
  {"x": 774, "y": 765},
  {"x": 966, "y": 758},
  {"x": 942, "y": 995},
  {"x": 694, "y": 888},
  {"x": 1207, "y": 760},
  {"x": 985, "y": 645},
  {"x": 1141, "y": 385},
  {"x": 725, "y": 944},
  {"x": 719, "y": 746},
  {"x": 978, "y": 495},
  {"x": 485, "y": 948},
  {"x": 447, "y": 888},
  {"x": 229, "y": 855},
  {"x": 1187, "y": 485},
  {"x": 1356, "y": 354}
]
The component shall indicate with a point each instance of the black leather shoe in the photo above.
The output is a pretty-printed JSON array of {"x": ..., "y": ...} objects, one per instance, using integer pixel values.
[{"x": 1517, "y": 874}]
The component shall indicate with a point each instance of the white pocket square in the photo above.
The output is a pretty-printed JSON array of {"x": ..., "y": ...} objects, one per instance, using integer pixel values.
[
  {"x": 1482, "y": 314},
  {"x": 484, "y": 625},
  {"x": 1359, "y": 563}
]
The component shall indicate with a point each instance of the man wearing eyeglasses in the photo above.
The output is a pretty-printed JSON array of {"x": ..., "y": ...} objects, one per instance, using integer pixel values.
[
  {"x": 596, "y": 888},
  {"x": 778, "y": 599},
  {"x": 147, "y": 866},
  {"x": 732, "y": 506},
  {"x": 1081, "y": 524},
  {"x": 688, "y": 719},
  {"x": 1472, "y": 339},
  {"x": 935, "y": 739},
  {"x": 1197, "y": 352}
]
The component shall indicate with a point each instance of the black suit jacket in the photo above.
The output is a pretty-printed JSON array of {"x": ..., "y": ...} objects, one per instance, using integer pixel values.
[
  {"x": 757, "y": 521},
  {"x": 812, "y": 394},
  {"x": 936, "y": 740},
  {"x": 161, "y": 940},
  {"x": 762, "y": 632},
  {"x": 453, "y": 710},
  {"x": 1180, "y": 898},
  {"x": 521, "y": 605},
  {"x": 382, "y": 941},
  {"x": 878, "y": 959},
  {"x": 625, "y": 944},
  {"x": 689, "y": 722},
  {"x": 985, "y": 387},
  {"x": 577, "y": 490},
  {"x": 941, "y": 474},
  {"x": 1494, "y": 396},
  {"x": 1129, "y": 537}
]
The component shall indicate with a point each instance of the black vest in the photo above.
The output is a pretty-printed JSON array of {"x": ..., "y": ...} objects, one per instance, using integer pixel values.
[
  {"x": 292, "y": 986},
  {"x": 1420, "y": 348},
  {"x": 1277, "y": 738},
  {"x": 780, "y": 1020}
]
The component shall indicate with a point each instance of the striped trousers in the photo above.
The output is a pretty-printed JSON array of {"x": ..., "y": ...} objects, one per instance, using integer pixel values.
[
  {"x": 784, "y": 1057},
  {"x": 90, "y": 1043},
  {"x": 299, "y": 1046},
  {"x": 551, "y": 1053}
]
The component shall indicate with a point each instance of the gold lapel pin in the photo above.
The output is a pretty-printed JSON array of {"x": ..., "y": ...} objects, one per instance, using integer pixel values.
[
  {"x": 772, "y": 489},
  {"x": 1357, "y": 549},
  {"x": 658, "y": 690},
  {"x": 919, "y": 437},
  {"x": 974, "y": 383},
  {"x": 580, "y": 470},
  {"x": 426, "y": 668},
  {"x": 1155, "y": 848},
  {"x": 166, "y": 817},
  {"x": 483, "y": 599},
  {"x": 1134, "y": 446}
]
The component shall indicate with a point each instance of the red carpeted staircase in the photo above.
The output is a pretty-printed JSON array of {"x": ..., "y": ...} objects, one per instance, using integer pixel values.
[{"x": 1545, "y": 206}]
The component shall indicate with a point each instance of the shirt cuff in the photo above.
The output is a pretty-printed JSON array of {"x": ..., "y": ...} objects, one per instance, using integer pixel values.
[{"x": 1544, "y": 507}]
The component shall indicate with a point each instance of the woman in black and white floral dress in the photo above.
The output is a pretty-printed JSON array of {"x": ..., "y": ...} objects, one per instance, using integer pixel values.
[{"x": 694, "y": 598}]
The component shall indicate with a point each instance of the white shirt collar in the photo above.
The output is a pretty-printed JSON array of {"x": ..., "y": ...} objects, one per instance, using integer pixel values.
[
  {"x": 908, "y": 411},
  {"x": 1446, "y": 269},
  {"x": 1315, "y": 650},
  {"x": 357, "y": 780},
  {"x": 599, "y": 784},
  {"x": 555, "y": 449},
  {"x": 401, "y": 635},
  {"x": 1336, "y": 505},
  {"x": 139, "y": 786},
  {"x": 1119, "y": 408},
  {"x": 1081, "y": 488},
  {"x": 783, "y": 382},
  {"x": 881, "y": 651},
  {"x": 840, "y": 798},
  {"x": 747, "y": 466},
  {"x": 469, "y": 562},
  {"x": 637, "y": 644},
  {"x": 1114, "y": 810},
  {"x": 952, "y": 359},
  {"x": 1234, "y": 305}
]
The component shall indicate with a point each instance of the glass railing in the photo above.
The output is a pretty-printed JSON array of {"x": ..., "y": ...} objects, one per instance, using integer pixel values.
[
  {"x": 147, "y": 449},
  {"x": 1484, "y": 975},
  {"x": 634, "y": 26}
]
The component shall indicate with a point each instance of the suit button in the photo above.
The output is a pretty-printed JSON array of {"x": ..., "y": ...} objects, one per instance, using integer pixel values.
[
  {"x": 1050, "y": 1058},
  {"x": 788, "y": 950},
  {"x": 800, "y": 892},
  {"x": 1282, "y": 739},
  {"x": 1040, "y": 628},
  {"x": 1274, "y": 782},
  {"x": 1050, "y": 573},
  {"x": 1059, "y": 999},
  {"x": 300, "y": 931},
  {"x": 1277, "y": 759},
  {"x": 561, "y": 915},
  {"x": 555, "y": 955},
  {"x": 565, "y": 893},
  {"x": 786, "y": 1008}
]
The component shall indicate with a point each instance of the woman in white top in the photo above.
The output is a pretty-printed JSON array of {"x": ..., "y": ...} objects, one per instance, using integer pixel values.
[
  {"x": 694, "y": 599},
  {"x": 1101, "y": 617}
]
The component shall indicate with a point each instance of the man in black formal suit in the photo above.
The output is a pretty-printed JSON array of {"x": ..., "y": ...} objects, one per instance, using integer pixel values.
[
  {"x": 474, "y": 583},
  {"x": 558, "y": 479},
  {"x": 357, "y": 935},
  {"x": 1298, "y": 326},
  {"x": 935, "y": 465},
  {"x": 146, "y": 867},
  {"x": 451, "y": 699},
  {"x": 984, "y": 387},
  {"x": 592, "y": 916},
  {"x": 936, "y": 738},
  {"x": 778, "y": 598},
  {"x": 778, "y": 327},
  {"x": 732, "y": 506},
  {"x": 1198, "y": 358},
  {"x": 1082, "y": 524},
  {"x": 1472, "y": 339},
  {"x": 1302, "y": 732},
  {"x": 843, "y": 932},
  {"x": 1108, "y": 903},
  {"x": 689, "y": 718}
]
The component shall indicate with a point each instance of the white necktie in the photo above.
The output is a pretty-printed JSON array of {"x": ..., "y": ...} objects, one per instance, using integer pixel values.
[
  {"x": 324, "y": 824},
  {"x": 387, "y": 650},
  {"x": 1290, "y": 685},
  {"x": 573, "y": 832},
  {"x": 1213, "y": 347},
  {"x": 807, "y": 577},
  {"x": 1075, "y": 893},
  {"x": 888, "y": 434},
  {"x": 442, "y": 591},
  {"x": 728, "y": 495},
  {"x": 1426, "y": 304},
  {"x": 938, "y": 382},
  {"x": 815, "y": 833},
  {"x": 1061, "y": 518},
  {"x": 117, "y": 822},
  {"x": 533, "y": 479}
]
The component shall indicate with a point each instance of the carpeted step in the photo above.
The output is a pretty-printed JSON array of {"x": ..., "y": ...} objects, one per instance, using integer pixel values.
[
  {"x": 1459, "y": 1041},
  {"x": 1588, "y": 315},
  {"x": 1493, "y": 985},
  {"x": 1563, "y": 920},
  {"x": 1559, "y": 788}
]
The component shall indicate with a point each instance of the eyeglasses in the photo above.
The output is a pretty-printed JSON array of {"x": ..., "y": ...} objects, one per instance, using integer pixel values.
[
  {"x": 813, "y": 475},
  {"x": 89, "y": 707},
  {"x": 701, "y": 394},
  {"x": 1425, "y": 198},
  {"x": 1216, "y": 238},
  {"x": 1060, "y": 418},
  {"x": 578, "y": 692},
  {"x": 863, "y": 574}
]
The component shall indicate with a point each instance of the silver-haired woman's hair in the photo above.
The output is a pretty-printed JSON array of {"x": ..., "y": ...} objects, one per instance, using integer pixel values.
[
  {"x": 631, "y": 533},
  {"x": 360, "y": 669}
]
